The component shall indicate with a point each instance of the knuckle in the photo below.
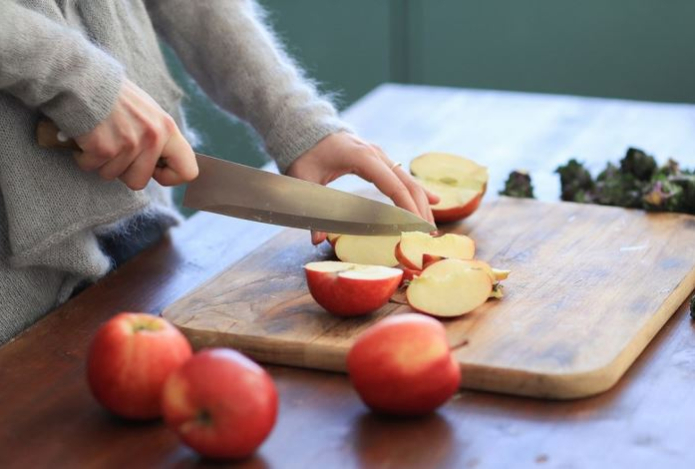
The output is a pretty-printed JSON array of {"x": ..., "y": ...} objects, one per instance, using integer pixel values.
[{"x": 168, "y": 124}]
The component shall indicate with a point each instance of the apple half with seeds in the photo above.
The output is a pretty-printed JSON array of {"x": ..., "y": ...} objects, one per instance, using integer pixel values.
[
  {"x": 449, "y": 288},
  {"x": 413, "y": 246},
  {"x": 348, "y": 289},
  {"x": 368, "y": 250},
  {"x": 459, "y": 182}
]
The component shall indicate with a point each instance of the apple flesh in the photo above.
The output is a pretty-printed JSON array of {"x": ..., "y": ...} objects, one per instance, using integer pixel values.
[
  {"x": 459, "y": 182},
  {"x": 402, "y": 365},
  {"x": 221, "y": 404},
  {"x": 129, "y": 360},
  {"x": 449, "y": 288},
  {"x": 332, "y": 238},
  {"x": 413, "y": 246},
  {"x": 367, "y": 250},
  {"x": 348, "y": 289}
]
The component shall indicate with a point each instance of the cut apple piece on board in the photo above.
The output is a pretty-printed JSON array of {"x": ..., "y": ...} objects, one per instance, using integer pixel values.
[
  {"x": 369, "y": 250},
  {"x": 347, "y": 289},
  {"x": 449, "y": 288},
  {"x": 459, "y": 182},
  {"x": 332, "y": 238},
  {"x": 413, "y": 247}
]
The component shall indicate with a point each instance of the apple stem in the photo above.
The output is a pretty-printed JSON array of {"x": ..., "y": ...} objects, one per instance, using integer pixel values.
[{"x": 461, "y": 344}]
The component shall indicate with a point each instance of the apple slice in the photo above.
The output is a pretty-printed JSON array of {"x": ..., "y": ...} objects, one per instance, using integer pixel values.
[
  {"x": 368, "y": 250},
  {"x": 459, "y": 182},
  {"x": 449, "y": 288},
  {"x": 332, "y": 238},
  {"x": 347, "y": 289},
  {"x": 414, "y": 246}
]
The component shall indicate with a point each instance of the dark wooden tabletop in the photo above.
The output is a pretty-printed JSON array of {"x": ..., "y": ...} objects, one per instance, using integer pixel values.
[{"x": 48, "y": 418}]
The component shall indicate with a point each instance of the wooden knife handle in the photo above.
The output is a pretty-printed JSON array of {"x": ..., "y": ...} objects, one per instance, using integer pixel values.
[{"x": 48, "y": 135}]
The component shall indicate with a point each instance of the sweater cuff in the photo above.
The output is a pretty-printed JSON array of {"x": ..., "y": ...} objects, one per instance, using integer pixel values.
[
  {"x": 89, "y": 97},
  {"x": 286, "y": 143}
]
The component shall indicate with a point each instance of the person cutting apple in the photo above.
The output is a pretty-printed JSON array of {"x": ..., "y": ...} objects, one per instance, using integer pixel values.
[{"x": 94, "y": 67}]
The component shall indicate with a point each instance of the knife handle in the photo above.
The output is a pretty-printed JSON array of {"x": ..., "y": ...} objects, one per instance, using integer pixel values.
[{"x": 48, "y": 135}]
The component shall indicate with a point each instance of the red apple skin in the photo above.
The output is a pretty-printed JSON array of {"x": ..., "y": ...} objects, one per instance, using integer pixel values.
[
  {"x": 349, "y": 297},
  {"x": 457, "y": 213},
  {"x": 409, "y": 274},
  {"x": 221, "y": 404},
  {"x": 403, "y": 365},
  {"x": 429, "y": 259},
  {"x": 129, "y": 360},
  {"x": 404, "y": 260}
]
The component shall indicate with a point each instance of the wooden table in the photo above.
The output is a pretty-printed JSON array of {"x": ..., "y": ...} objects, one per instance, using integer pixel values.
[{"x": 48, "y": 418}]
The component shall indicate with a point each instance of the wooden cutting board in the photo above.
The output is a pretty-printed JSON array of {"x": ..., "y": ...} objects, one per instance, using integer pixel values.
[{"x": 590, "y": 286}]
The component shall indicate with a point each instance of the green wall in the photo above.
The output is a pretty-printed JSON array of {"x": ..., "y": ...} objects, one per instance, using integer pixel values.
[{"x": 638, "y": 49}]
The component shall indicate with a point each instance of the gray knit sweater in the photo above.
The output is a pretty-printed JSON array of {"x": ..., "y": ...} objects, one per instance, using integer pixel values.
[{"x": 66, "y": 59}]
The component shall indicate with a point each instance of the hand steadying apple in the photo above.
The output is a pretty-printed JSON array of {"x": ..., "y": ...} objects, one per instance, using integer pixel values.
[{"x": 344, "y": 153}]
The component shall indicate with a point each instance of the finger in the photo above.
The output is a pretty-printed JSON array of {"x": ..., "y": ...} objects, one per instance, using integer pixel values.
[
  {"x": 181, "y": 165},
  {"x": 89, "y": 161},
  {"x": 116, "y": 167},
  {"x": 418, "y": 194},
  {"x": 374, "y": 170},
  {"x": 141, "y": 170},
  {"x": 416, "y": 191},
  {"x": 317, "y": 237}
]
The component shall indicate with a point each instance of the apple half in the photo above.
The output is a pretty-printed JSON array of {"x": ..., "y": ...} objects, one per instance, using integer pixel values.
[
  {"x": 368, "y": 250},
  {"x": 449, "y": 288},
  {"x": 414, "y": 246},
  {"x": 348, "y": 289},
  {"x": 459, "y": 182}
]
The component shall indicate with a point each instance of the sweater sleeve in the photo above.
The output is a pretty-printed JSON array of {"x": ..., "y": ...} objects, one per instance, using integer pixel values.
[
  {"x": 235, "y": 58},
  {"x": 53, "y": 68}
]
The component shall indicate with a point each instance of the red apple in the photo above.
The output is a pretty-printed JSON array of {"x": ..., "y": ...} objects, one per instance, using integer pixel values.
[
  {"x": 221, "y": 404},
  {"x": 367, "y": 250},
  {"x": 449, "y": 288},
  {"x": 332, "y": 238},
  {"x": 414, "y": 245},
  {"x": 408, "y": 274},
  {"x": 402, "y": 365},
  {"x": 347, "y": 289},
  {"x": 459, "y": 182},
  {"x": 130, "y": 358}
]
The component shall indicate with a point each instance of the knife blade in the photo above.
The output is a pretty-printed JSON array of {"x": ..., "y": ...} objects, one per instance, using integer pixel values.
[
  {"x": 243, "y": 192},
  {"x": 252, "y": 194}
]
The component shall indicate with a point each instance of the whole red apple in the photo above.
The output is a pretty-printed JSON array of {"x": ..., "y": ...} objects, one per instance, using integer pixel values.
[
  {"x": 221, "y": 404},
  {"x": 130, "y": 358},
  {"x": 402, "y": 365}
]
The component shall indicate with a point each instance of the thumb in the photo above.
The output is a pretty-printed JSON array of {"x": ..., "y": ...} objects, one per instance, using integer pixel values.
[{"x": 181, "y": 165}]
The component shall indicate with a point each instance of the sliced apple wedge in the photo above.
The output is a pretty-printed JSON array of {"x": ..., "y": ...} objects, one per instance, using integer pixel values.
[
  {"x": 413, "y": 246},
  {"x": 459, "y": 182},
  {"x": 347, "y": 289},
  {"x": 449, "y": 288},
  {"x": 332, "y": 238},
  {"x": 368, "y": 250}
]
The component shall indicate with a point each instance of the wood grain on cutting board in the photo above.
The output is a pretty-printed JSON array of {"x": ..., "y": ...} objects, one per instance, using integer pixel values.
[{"x": 590, "y": 286}]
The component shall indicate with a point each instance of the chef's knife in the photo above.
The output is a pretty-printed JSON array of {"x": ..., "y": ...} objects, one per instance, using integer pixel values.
[{"x": 243, "y": 192}]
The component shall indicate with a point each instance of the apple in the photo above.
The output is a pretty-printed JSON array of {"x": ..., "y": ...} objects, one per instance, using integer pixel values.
[
  {"x": 449, "y": 288},
  {"x": 332, "y": 238},
  {"x": 368, "y": 250},
  {"x": 347, "y": 289},
  {"x": 221, "y": 404},
  {"x": 459, "y": 182},
  {"x": 402, "y": 365},
  {"x": 408, "y": 274},
  {"x": 414, "y": 245},
  {"x": 128, "y": 361}
]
